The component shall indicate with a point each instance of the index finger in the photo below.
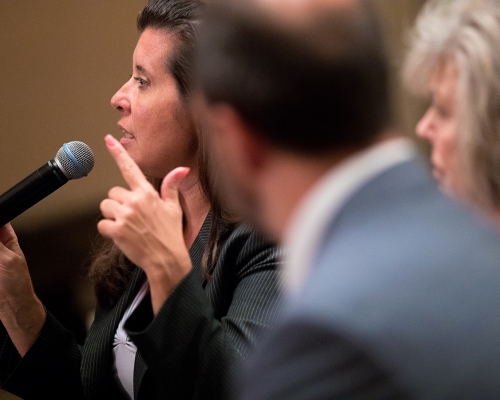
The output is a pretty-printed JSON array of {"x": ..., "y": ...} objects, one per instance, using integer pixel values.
[{"x": 129, "y": 169}]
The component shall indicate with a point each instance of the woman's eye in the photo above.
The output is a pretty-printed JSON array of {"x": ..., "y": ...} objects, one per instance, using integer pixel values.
[
  {"x": 442, "y": 112},
  {"x": 140, "y": 81}
]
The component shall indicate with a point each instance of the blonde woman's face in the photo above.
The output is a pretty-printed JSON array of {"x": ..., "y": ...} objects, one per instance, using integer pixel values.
[{"x": 439, "y": 126}]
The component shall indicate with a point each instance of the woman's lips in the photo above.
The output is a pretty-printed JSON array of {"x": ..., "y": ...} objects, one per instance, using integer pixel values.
[
  {"x": 126, "y": 133},
  {"x": 438, "y": 173},
  {"x": 127, "y": 137}
]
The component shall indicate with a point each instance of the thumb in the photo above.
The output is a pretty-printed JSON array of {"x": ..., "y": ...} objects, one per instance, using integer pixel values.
[
  {"x": 8, "y": 238},
  {"x": 170, "y": 185}
]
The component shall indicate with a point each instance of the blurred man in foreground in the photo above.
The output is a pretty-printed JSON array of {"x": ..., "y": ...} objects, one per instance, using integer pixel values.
[{"x": 393, "y": 287}]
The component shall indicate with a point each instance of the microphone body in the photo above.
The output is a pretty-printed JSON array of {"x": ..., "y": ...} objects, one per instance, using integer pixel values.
[
  {"x": 30, "y": 191},
  {"x": 73, "y": 161}
]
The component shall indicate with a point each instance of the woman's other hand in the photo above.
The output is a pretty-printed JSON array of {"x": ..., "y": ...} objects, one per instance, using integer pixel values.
[
  {"x": 146, "y": 227},
  {"x": 21, "y": 312}
]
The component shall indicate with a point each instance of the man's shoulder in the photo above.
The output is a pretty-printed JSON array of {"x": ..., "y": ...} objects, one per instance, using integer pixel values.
[
  {"x": 413, "y": 283},
  {"x": 415, "y": 239},
  {"x": 401, "y": 216}
]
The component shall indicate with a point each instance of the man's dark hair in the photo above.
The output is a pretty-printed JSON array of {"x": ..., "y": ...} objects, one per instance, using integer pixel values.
[{"x": 310, "y": 88}]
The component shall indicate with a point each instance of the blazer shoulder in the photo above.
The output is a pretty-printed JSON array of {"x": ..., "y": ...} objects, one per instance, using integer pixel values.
[{"x": 247, "y": 247}]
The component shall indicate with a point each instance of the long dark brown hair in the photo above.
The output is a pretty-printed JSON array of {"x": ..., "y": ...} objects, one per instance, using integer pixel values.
[{"x": 110, "y": 269}]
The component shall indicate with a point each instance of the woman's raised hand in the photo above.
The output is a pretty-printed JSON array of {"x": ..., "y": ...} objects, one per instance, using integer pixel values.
[{"x": 146, "y": 227}]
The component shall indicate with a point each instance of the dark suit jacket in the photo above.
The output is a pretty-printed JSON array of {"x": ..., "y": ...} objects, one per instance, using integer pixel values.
[
  {"x": 402, "y": 302},
  {"x": 188, "y": 351}
]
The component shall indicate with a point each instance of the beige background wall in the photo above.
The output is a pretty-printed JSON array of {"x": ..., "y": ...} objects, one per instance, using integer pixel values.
[
  {"x": 61, "y": 61},
  {"x": 399, "y": 16}
]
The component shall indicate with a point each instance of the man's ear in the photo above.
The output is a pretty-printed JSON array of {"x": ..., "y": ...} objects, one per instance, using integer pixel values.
[{"x": 243, "y": 146}]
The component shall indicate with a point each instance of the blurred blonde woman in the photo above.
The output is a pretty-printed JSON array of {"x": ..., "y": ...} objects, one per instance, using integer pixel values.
[{"x": 455, "y": 57}]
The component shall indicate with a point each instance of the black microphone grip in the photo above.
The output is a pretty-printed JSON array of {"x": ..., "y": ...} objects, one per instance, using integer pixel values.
[{"x": 23, "y": 195}]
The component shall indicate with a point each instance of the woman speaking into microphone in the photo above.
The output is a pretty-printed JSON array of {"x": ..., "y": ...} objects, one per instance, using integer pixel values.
[{"x": 183, "y": 288}]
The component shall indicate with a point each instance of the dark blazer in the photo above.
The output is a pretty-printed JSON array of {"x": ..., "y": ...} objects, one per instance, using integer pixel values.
[
  {"x": 188, "y": 351},
  {"x": 402, "y": 302}
]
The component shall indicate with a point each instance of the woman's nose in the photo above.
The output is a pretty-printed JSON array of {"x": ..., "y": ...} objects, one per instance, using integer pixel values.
[
  {"x": 424, "y": 128},
  {"x": 120, "y": 100}
]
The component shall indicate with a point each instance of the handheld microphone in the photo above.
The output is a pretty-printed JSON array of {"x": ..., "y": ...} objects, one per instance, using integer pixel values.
[{"x": 74, "y": 160}]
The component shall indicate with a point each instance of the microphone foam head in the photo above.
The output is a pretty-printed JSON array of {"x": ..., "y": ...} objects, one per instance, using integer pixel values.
[{"x": 75, "y": 159}]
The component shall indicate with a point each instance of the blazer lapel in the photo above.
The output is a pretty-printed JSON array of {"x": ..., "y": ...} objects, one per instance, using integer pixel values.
[
  {"x": 198, "y": 247},
  {"x": 196, "y": 254},
  {"x": 97, "y": 353}
]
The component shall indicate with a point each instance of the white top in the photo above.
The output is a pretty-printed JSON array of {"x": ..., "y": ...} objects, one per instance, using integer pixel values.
[
  {"x": 317, "y": 210},
  {"x": 124, "y": 349}
]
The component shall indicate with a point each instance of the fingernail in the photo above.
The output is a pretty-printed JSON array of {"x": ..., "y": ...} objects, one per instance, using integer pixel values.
[
  {"x": 110, "y": 140},
  {"x": 184, "y": 171}
]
